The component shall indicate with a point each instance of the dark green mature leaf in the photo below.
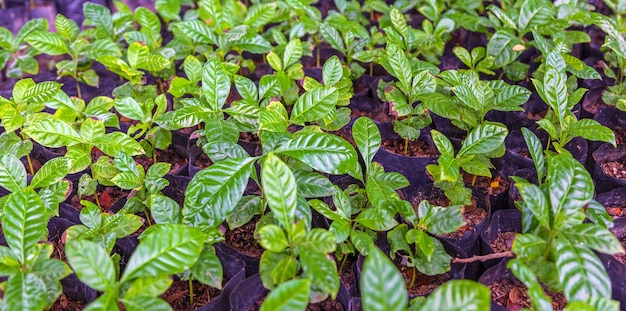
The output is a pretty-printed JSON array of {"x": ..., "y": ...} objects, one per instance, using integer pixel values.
[
  {"x": 595, "y": 237},
  {"x": 213, "y": 192},
  {"x": 289, "y": 296},
  {"x": 382, "y": 285},
  {"x": 145, "y": 303},
  {"x": 24, "y": 292},
  {"x": 592, "y": 130},
  {"x": 536, "y": 202},
  {"x": 536, "y": 152},
  {"x": 461, "y": 295},
  {"x": 215, "y": 83},
  {"x": 53, "y": 133},
  {"x": 47, "y": 42},
  {"x": 314, "y": 104},
  {"x": 321, "y": 270},
  {"x": 324, "y": 152},
  {"x": 24, "y": 222},
  {"x": 529, "y": 246},
  {"x": 580, "y": 271},
  {"x": 570, "y": 186},
  {"x": 367, "y": 138},
  {"x": 500, "y": 46},
  {"x": 400, "y": 66},
  {"x": 554, "y": 84},
  {"x": 532, "y": 14},
  {"x": 486, "y": 138},
  {"x": 208, "y": 268},
  {"x": 280, "y": 189},
  {"x": 12, "y": 173},
  {"x": 197, "y": 31},
  {"x": 440, "y": 220},
  {"x": 167, "y": 249},
  {"x": 538, "y": 298},
  {"x": 313, "y": 185},
  {"x": 92, "y": 264}
]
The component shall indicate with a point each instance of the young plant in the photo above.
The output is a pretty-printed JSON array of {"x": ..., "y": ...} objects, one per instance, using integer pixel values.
[
  {"x": 288, "y": 70},
  {"x": 405, "y": 95},
  {"x": 33, "y": 277},
  {"x": 557, "y": 245},
  {"x": 349, "y": 38},
  {"x": 72, "y": 110},
  {"x": 163, "y": 250},
  {"x": 16, "y": 56},
  {"x": 105, "y": 24},
  {"x": 560, "y": 122},
  {"x": 482, "y": 143},
  {"x": 138, "y": 58},
  {"x": 424, "y": 252},
  {"x": 67, "y": 41},
  {"x": 382, "y": 288}
]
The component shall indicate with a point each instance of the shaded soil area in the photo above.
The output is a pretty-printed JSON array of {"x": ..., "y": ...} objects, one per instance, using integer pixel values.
[
  {"x": 512, "y": 295},
  {"x": 242, "y": 239},
  {"x": 471, "y": 218},
  {"x": 416, "y": 148},
  {"x": 503, "y": 242},
  {"x": 424, "y": 284},
  {"x": 616, "y": 169},
  {"x": 178, "y": 295}
]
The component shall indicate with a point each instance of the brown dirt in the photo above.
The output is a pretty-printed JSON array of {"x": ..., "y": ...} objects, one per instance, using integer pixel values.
[
  {"x": 503, "y": 242},
  {"x": 616, "y": 169},
  {"x": 168, "y": 156},
  {"x": 65, "y": 304},
  {"x": 416, "y": 148},
  {"x": 178, "y": 295},
  {"x": 249, "y": 137},
  {"x": 347, "y": 274},
  {"x": 494, "y": 186},
  {"x": 620, "y": 135},
  {"x": 424, "y": 284},
  {"x": 379, "y": 114},
  {"x": 107, "y": 198},
  {"x": 242, "y": 239},
  {"x": 537, "y": 116},
  {"x": 203, "y": 161},
  {"x": 616, "y": 211},
  {"x": 472, "y": 218},
  {"x": 513, "y": 296}
]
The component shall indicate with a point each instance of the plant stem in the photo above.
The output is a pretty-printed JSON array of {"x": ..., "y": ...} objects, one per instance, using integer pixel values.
[
  {"x": 78, "y": 92},
  {"x": 484, "y": 258},
  {"x": 190, "y": 292},
  {"x": 154, "y": 159},
  {"x": 474, "y": 180},
  {"x": 343, "y": 264},
  {"x": 145, "y": 211},
  {"x": 95, "y": 195},
  {"x": 30, "y": 165},
  {"x": 413, "y": 278},
  {"x": 317, "y": 57},
  {"x": 32, "y": 4},
  {"x": 406, "y": 146},
  {"x": 371, "y": 69}
]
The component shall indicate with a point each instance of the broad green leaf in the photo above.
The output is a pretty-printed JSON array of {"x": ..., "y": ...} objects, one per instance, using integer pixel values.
[
  {"x": 461, "y": 295},
  {"x": 318, "y": 240},
  {"x": 145, "y": 303},
  {"x": 168, "y": 9},
  {"x": 570, "y": 186},
  {"x": 246, "y": 208},
  {"x": 592, "y": 130},
  {"x": 92, "y": 264},
  {"x": 150, "y": 24},
  {"x": 529, "y": 246},
  {"x": 116, "y": 142},
  {"x": 332, "y": 37},
  {"x": 535, "y": 201},
  {"x": 293, "y": 53},
  {"x": 595, "y": 237},
  {"x": 314, "y": 104},
  {"x": 24, "y": 292},
  {"x": 130, "y": 108},
  {"x": 500, "y": 46},
  {"x": 324, "y": 152},
  {"x": 217, "y": 131},
  {"x": 41, "y": 92},
  {"x": 280, "y": 190},
  {"x": 51, "y": 172},
  {"x": 213, "y": 192},
  {"x": 367, "y": 139},
  {"x": 554, "y": 85},
  {"x": 12, "y": 173},
  {"x": 164, "y": 210},
  {"x": 208, "y": 268},
  {"x": 100, "y": 16},
  {"x": 24, "y": 222},
  {"x": 332, "y": 71},
  {"x": 382, "y": 286},
  {"x": 536, "y": 152},
  {"x": 260, "y": 14},
  {"x": 149, "y": 286},
  {"x": 538, "y": 298},
  {"x": 197, "y": 31},
  {"x": 400, "y": 67},
  {"x": 106, "y": 302},
  {"x": 440, "y": 220},
  {"x": 486, "y": 138},
  {"x": 321, "y": 270},
  {"x": 66, "y": 27},
  {"x": 53, "y": 133},
  {"x": 580, "y": 271},
  {"x": 47, "y": 42},
  {"x": 289, "y": 296},
  {"x": 442, "y": 143},
  {"x": 273, "y": 238},
  {"x": 313, "y": 185},
  {"x": 12, "y": 119},
  {"x": 532, "y": 14},
  {"x": 168, "y": 249},
  {"x": 215, "y": 83}
]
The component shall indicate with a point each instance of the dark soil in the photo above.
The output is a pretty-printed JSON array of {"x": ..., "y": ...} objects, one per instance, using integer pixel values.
[
  {"x": 203, "y": 161},
  {"x": 347, "y": 274},
  {"x": 621, "y": 257},
  {"x": 503, "y": 242},
  {"x": 512, "y": 295},
  {"x": 616, "y": 211},
  {"x": 616, "y": 169},
  {"x": 242, "y": 239},
  {"x": 424, "y": 284},
  {"x": 620, "y": 135},
  {"x": 65, "y": 304},
  {"x": 471, "y": 218},
  {"x": 167, "y": 156},
  {"x": 178, "y": 295},
  {"x": 378, "y": 114},
  {"x": 416, "y": 148},
  {"x": 107, "y": 198},
  {"x": 249, "y": 137}
]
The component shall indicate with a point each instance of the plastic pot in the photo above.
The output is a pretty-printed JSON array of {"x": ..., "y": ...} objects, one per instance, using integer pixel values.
[
  {"x": 501, "y": 221},
  {"x": 606, "y": 153}
]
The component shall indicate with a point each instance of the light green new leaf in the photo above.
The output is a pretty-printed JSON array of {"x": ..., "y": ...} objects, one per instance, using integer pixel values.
[
  {"x": 150, "y": 23},
  {"x": 53, "y": 133},
  {"x": 280, "y": 189},
  {"x": 592, "y": 130},
  {"x": 486, "y": 138},
  {"x": 100, "y": 16},
  {"x": 145, "y": 303},
  {"x": 51, "y": 172},
  {"x": 116, "y": 142},
  {"x": 197, "y": 31},
  {"x": 332, "y": 71},
  {"x": 314, "y": 104},
  {"x": 536, "y": 152},
  {"x": 12, "y": 173},
  {"x": 273, "y": 238},
  {"x": 535, "y": 201},
  {"x": 130, "y": 108},
  {"x": 570, "y": 186},
  {"x": 321, "y": 270},
  {"x": 215, "y": 83},
  {"x": 168, "y": 249},
  {"x": 382, "y": 285},
  {"x": 324, "y": 152},
  {"x": 92, "y": 264},
  {"x": 24, "y": 222},
  {"x": 293, "y": 52},
  {"x": 48, "y": 42},
  {"x": 24, "y": 293},
  {"x": 367, "y": 139},
  {"x": 459, "y": 295},
  {"x": 289, "y": 296}
]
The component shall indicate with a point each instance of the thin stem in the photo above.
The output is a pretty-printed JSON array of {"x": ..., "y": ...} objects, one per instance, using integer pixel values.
[
  {"x": 154, "y": 159},
  {"x": 474, "y": 180},
  {"x": 317, "y": 57},
  {"x": 343, "y": 263},
  {"x": 95, "y": 195},
  {"x": 190, "y": 292},
  {"x": 413, "y": 278},
  {"x": 78, "y": 92},
  {"x": 371, "y": 69},
  {"x": 32, "y": 4},
  {"x": 484, "y": 258},
  {"x": 406, "y": 146},
  {"x": 145, "y": 211},
  {"x": 30, "y": 164}
]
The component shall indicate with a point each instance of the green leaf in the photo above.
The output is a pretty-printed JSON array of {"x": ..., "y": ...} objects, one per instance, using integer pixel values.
[
  {"x": 293, "y": 53},
  {"x": 130, "y": 108},
  {"x": 461, "y": 295},
  {"x": 116, "y": 142},
  {"x": 168, "y": 249},
  {"x": 595, "y": 237},
  {"x": 273, "y": 238},
  {"x": 538, "y": 298},
  {"x": 580, "y": 271},
  {"x": 24, "y": 292},
  {"x": 100, "y": 16},
  {"x": 332, "y": 37},
  {"x": 280, "y": 189},
  {"x": 66, "y": 27},
  {"x": 367, "y": 138},
  {"x": 332, "y": 71},
  {"x": 318, "y": 240},
  {"x": 321, "y": 270},
  {"x": 535, "y": 201},
  {"x": 529, "y": 246},
  {"x": 41, "y": 92},
  {"x": 486, "y": 138},
  {"x": 536, "y": 152},
  {"x": 215, "y": 83},
  {"x": 570, "y": 186},
  {"x": 53, "y": 133},
  {"x": 400, "y": 67},
  {"x": 440, "y": 220},
  {"x": 554, "y": 85},
  {"x": 213, "y": 192},
  {"x": 148, "y": 286},
  {"x": 313, "y": 185},
  {"x": 51, "y": 172},
  {"x": 12, "y": 173},
  {"x": 246, "y": 208},
  {"x": 92, "y": 264},
  {"x": 24, "y": 222},
  {"x": 164, "y": 210},
  {"x": 442, "y": 143},
  {"x": 500, "y": 46},
  {"x": 145, "y": 303},
  {"x": 208, "y": 268},
  {"x": 324, "y": 152},
  {"x": 533, "y": 13},
  {"x": 197, "y": 31},
  {"x": 150, "y": 24},
  {"x": 289, "y": 296},
  {"x": 47, "y": 42},
  {"x": 382, "y": 285},
  {"x": 592, "y": 130},
  {"x": 260, "y": 14},
  {"x": 314, "y": 104}
]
